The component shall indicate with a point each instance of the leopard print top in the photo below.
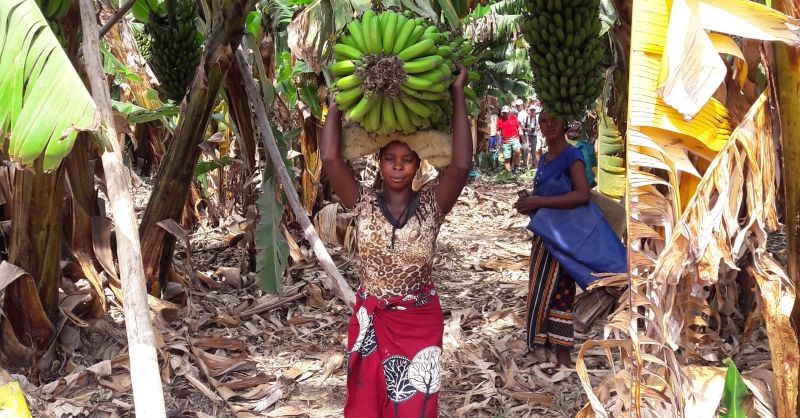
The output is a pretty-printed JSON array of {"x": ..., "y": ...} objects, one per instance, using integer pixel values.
[{"x": 388, "y": 271}]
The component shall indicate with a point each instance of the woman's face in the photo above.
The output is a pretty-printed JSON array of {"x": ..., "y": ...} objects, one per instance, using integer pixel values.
[
  {"x": 399, "y": 165},
  {"x": 551, "y": 127}
]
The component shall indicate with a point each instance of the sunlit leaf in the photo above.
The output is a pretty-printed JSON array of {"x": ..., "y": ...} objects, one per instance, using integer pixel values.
[
  {"x": 308, "y": 93},
  {"x": 733, "y": 394},
  {"x": 253, "y": 24},
  {"x": 43, "y": 101},
  {"x": 747, "y": 19}
]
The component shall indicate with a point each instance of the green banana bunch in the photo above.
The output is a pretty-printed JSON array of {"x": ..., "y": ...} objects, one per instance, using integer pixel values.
[
  {"x": 171, "y": 44},
  {"x": 54, "y": 10},
  {"x": 393, "y": 72},
  {"x": 566, "y": 55}
]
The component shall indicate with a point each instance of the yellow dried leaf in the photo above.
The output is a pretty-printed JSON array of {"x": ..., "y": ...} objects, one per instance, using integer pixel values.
[
  {"x": 747, "y": 19},
  {"x": 691, "y": 66}
]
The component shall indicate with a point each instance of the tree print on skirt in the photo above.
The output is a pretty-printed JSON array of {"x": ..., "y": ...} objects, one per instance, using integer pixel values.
[{"x": 394, "y": 356}]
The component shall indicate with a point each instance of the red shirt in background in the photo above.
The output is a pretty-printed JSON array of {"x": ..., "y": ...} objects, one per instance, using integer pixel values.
[{"x": 508, "y": 128}]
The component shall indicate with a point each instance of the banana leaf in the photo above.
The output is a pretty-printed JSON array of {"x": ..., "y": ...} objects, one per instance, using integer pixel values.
[
  {"x": 311, "y": 30},
  {"x": 734, "y": 394},
  {"x": 273, "y": 249},
  {"x": 43, "y": 102}
]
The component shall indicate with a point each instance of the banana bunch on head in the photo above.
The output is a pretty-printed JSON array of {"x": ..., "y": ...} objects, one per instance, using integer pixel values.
[
  {"x": 393, "y": 72},
  {"x": 565, "y": 54}
]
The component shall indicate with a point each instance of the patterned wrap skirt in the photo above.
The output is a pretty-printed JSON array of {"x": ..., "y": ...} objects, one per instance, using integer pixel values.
[
  {"x": 551, "y": 294},
  {"x": 394, "y": 356}
]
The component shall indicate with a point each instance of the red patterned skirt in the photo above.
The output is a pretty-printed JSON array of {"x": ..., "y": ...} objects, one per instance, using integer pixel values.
[{"x": 394, "y": 354}]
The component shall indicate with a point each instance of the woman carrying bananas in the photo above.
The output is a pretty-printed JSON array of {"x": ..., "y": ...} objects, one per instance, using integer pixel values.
[
  {"x": 571, "y": 241},
  {"x": 395, "y": 333}
]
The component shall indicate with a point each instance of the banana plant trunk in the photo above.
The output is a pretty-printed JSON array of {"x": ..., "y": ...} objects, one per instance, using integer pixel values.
[
  {"x": 175, "y": 177},
  {"x": 32, "y": 305},
  {"x": 788, "y": 86}
]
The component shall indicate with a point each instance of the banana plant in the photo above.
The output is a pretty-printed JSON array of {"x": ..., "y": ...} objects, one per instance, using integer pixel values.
[{"x": 43, "y": 102}]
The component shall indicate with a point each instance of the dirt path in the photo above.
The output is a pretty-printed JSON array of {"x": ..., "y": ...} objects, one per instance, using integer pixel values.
[
  {"x": 227, "y": 349},
  {"x": 482, "y": 279}
]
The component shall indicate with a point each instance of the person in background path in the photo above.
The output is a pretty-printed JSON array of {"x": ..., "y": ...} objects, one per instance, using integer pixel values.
[
  {"x": 530, "y": 128},
  {"x": 509, "y": 130},
  {"x": 395, "y": 333},
  {"x": 571, "y": 241},
  {"x": 524, "y": 119},
  {"x": 541, "y": 144},
  {"x": 578, "y": 139}
]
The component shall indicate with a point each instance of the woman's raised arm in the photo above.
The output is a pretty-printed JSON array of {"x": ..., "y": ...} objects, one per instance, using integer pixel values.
[
  {"x": 336, "y": 169},
  {"x": 455, "y": 175}
]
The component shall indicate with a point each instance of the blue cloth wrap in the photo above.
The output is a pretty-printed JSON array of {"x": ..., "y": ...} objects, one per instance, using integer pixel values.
[{"x": 579, "y": 238}]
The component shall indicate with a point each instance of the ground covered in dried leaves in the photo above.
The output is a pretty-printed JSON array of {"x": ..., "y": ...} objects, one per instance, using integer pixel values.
[{"x": 227, "y": 349}]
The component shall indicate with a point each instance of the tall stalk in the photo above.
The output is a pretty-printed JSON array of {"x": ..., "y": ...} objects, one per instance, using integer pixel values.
[
  {"x": 175, "y": 178},
  {"x": 36, "y": 248},
  {"x": 787, "y": 66}
]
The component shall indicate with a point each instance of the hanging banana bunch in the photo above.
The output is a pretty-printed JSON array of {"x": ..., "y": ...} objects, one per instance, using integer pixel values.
[
  {"x": 53, "y": 11},
  {"x": 393, "y": 72},
  {"x": 565, "y": 54},
  {"x": 171, "y": 44}
]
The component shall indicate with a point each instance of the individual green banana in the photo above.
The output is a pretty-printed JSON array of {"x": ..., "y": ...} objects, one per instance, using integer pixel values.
[
  {"x": 50, "y": 8},
  {"x": 436, "y": 87},
  {"x": 416, "y": 120},
  {"x": 415, "y": 50},
  {"x": 470, "y": 93},
  {"x": 417, "y": 83},
  {"x": 369, "y": 35},
  {"x": 434, "y": 76},
  {"x": 390, "y": 32},
  {"x": 444, "y": 51},
  {"x": 346, "y": 83},
  {"x": 357, "y": 113},
  {"x": 431, "y": 96},
  {"x": 377, "y": 43},
  {"x": 416, "y": 35},
  {"x": 421, "y": 65},
  {"x": 388, "y": 120},
  {"x": 382, "y": 22},
  {"x": 357, "y": 32},
  {"x": 372, "y": 121},
  {"x": 343, "y": 68},
  {"x": 64, "y": 9},
  {"x": 446, "y": 71},
  {"x": 467, "y": 61},
  {"x": 402, "y": 36},
  {"x": 411, "y": 92},
  {"x": 473, "y": 76},
  {"x": 401, "y": 114},
  {"x": 436, "y": 111},
  {"x": 416, "y": 106},
  {"x": 347, "y": 98},
  {"x": 346, "y": 52}
]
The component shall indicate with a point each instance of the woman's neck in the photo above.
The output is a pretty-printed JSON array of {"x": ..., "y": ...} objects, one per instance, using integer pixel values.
[
  {"x": 394, "y": 197},
  {"x": 556, "y": 146}
]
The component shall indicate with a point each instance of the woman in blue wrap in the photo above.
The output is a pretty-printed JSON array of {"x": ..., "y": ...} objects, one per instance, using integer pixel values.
[{"x": 571, "y": 241}]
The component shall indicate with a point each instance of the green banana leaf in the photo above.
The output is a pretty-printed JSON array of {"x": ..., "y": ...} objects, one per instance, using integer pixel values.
[
  {"x": 611, "y": 168},
  {"x": 311, "y": 30},
  {"x": 43, "y": 102},
  {"x": 734, "y": 394},
  {"x": 449, "y": 12},
  {"x": 273, "y": 249}
]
